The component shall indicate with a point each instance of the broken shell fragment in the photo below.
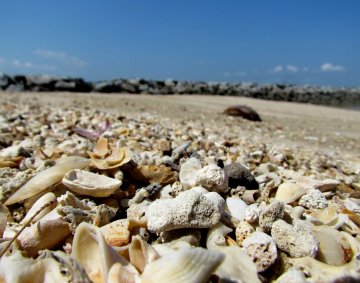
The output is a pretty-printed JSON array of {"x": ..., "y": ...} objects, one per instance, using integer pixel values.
[
  {"x": 47, "y": 178},
  {"x": 90, "y": 184},
  {"x": 117, "y": 233}
]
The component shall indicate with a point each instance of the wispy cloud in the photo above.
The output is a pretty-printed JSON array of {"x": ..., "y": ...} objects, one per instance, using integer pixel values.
[
  {"x": 292, "y": 68},
  {"x": 236, "y": 74},
  {"x": 60, "y": 56},
  {"x": 328, "y": 67},
  {"x": 278, "y": 69},
  {"x": 29, "y": 65}
]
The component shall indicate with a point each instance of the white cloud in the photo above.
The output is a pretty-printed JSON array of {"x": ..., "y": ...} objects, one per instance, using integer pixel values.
[
  {"x": 240, "y": 74},
  {"x": 60, "y": 56},
  {"x": 292, "y": 68},
  {"x": 278, "y": 69},
  {"x": 328, "y": 67},
  {"x": 28, "y": 65}
]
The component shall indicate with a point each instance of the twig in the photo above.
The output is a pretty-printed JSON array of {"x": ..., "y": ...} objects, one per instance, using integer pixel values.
[{"x": 25, "y": 225}]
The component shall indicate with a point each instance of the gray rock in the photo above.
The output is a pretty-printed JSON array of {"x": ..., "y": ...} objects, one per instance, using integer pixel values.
[{"x": 240, "y": 176}]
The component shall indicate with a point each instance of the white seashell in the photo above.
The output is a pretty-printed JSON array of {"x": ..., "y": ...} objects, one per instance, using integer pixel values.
[
  {"x": 216, "y": 236},
  {"x": 92, "y": 252},
  {"x": 334, "y": 248},
  {"x": 47, "y": 198},
  {"x": 323, "y": 185},
  {"x": 350, "y": 227},
  {"x": 90, "y": 184},
  {"x": 119, "y": 273},
  {"x": 188, "y": 172},
  {"x": 4, "y": 217},
  {"x": 193, "y": 265},
  {"x": 16, "y": 268},
  {"x": 237, "y": 266},
  {"x": 47, "y": 178},
  {"x": 289, "y": 192},
  {"x": 236, "y": 207}
]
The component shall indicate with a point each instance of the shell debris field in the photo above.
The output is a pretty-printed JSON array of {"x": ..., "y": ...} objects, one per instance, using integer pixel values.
[{"x": 93, "y": 196}]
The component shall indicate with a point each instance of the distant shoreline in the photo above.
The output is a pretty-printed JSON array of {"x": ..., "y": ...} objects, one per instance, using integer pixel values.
[{"x": 331, "y": 96}]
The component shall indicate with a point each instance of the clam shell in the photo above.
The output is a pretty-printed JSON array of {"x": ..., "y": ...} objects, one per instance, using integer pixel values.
[
  {"x": 289, "y": 192},
  {"x": 327, "y": 216},
  {"x": 48, "y": 197},
  {"x": 90, "y": 184},
  {"x": 92, "y": 252},
  {"x": 117, "y": 232},
  {"x": 119, "y": 273},
  {"x": 193, "y": 265},
  {"x": 45, "y": 234},
  {"x": 47, "y": 178}
]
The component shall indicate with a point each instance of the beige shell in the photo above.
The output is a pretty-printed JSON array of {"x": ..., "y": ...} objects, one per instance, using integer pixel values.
[
  {"x": 216, "y": 236},
  {"x": 289, "y": 192},
  {"x": 45, "y": 234},
  {"x": 334, "y": 248},
  {"x": 16, "y": 268},
  {"x": 47, "y": 198},
  {"x": 47, "y": 178},
  {"x": 191, "y": 265},
  {"x": 90, "y": 184},
  {"x": 92, "y": 252},
  {"x": 119, "y": 274},
  {"x": 237, "y": 266},
  {"x": 117, "y": 233},
  {"x": 141, "y": 253},
  {"x": 4, "y": 217},
  {"x": 329, "y": 217}
]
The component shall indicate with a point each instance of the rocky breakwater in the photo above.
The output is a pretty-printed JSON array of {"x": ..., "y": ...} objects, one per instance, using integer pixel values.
[
  {"x": 88, "y": 197},
  {"x": 348, "y": 97}
]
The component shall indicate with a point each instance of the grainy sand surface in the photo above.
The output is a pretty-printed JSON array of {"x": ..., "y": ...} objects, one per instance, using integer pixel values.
[{"x": 327, "y": 129}]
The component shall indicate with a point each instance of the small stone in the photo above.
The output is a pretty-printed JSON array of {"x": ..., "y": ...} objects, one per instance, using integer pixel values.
[
  {"x": 240, "y": 176},
  {"x": 314, "y": 199},
  {"x": 270, "y": 214},
  {"x": 163, "y": 145},
  {"x": 158, "y": 174},
  {"x": 252, "y": 213},
  {"x": 243, "y": 111},
  {"x": 190, "y": 209},
  {"x": 293, "y": 275},
  {"x": 298, "y": 240},
  {"x": 261, "y": 248},
  {"x": 212, "y": 178}
]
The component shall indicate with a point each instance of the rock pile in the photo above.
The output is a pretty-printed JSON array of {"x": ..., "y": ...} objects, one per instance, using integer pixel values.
[{"x": 349, "y": 97}]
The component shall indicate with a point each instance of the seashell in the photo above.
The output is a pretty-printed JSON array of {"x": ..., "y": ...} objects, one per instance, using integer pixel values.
[
  {"x": 237, "y": 266},
  {"x": 119, "y": 273},
  {"x": 47, "y": 198},
  {"x": 92, "y": 252},
  {"x": 102, "y": 147},
  {"x": 47, "y": 178},
  {"x": 334, "y": 248},
  {"x": 250, "y": 196},
  {"x": 328, "y": 216},
  {"x": 350, "y": 227},
  {"x": 289, "y": 192},
  {"x": 11, "y": 162},
  {"x": 118, "y": 157},
  {"x": 188, "y": 172},
  {"x": 141, "y": 253},
  {"x": 193, "y": 265},
  {"x": 117, "y": 233},
  {"x": 352, "y": 204},
  {"x": 90, "y": 184},
  {"x": 236, "y": 207},
  {"x": 353, "y": 216},
  {"x": 5, "y": 216},
  {"x": 216, "y": 236},
  {"x": 323, "y": 186},
  {"x": 45, "y": 234},
  {"x": 16, "y": 268}
]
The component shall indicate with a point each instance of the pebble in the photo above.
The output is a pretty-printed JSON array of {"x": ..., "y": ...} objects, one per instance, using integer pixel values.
[
  {"x": 239, "y": 175},
  {"x": 270, "y": 214}
]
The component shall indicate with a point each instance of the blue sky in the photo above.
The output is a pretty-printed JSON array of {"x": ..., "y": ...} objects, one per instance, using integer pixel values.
[{"x": 287, "y": 41}]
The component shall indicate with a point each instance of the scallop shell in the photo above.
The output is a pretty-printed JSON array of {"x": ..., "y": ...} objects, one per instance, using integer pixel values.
[
  {"x": 47, "y": 198},
  {"x": 191, "y": 265},
  {"x": 237, "y": 266},
  {"x": 47, "y": 178},
  {"x": 289, "y": 192},
  {"x": 90, "y": 184},
  {"x": 92, "y": 252},
  {"x": 117, "y": 232}
]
